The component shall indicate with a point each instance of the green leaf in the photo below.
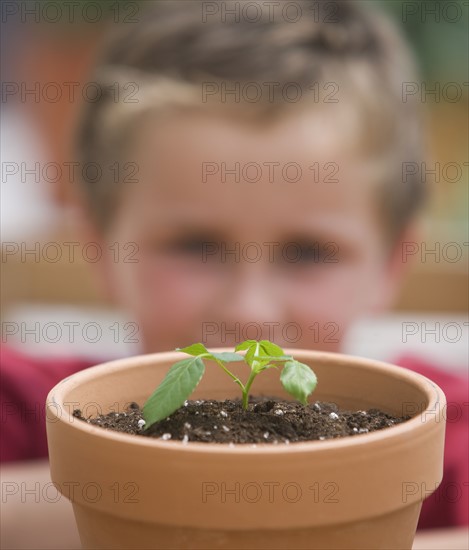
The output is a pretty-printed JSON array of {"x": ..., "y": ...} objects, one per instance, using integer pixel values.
[
  {"x": 249, "y": 356},
  {"x": 259, "y": 366},
  {"x": 268, "y": 366},
  {"x": 265, "y": 361},
  {"x": 251, "y": 346},
  {"x": 180, "y": 381},
  {"x": 298, "y": 380},
  {"x": 273, "y": 358},
  {"x": 226, "y": 357},
  {"x": 266, "y": 352},
  {"x": 194, "y": 349},
  {"x": 271, "y": 349},
  {"x": 200, "y": 349},
  {"x": 245, "y": 345}
]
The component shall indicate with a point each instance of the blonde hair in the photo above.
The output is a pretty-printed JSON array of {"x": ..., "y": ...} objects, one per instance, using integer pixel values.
[{"x": 173, "y": 51}]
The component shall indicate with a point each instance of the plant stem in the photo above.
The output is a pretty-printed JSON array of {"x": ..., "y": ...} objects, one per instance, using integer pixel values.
[
  {"x": 251, "y": 378},
  {"x": 235, "y": 378},
  {"x": 247, "y": 388}
]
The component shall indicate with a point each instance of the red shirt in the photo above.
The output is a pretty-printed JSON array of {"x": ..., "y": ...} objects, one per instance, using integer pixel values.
[
  {"x": 448, "y": 506},
  {"x": 25, "y": 383}
]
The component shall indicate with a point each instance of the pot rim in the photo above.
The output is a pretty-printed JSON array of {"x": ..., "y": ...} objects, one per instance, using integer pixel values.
[{"x": 433, "y": 393}]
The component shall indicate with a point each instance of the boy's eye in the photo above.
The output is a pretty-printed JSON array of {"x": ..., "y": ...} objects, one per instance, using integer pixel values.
[
  {"x": 196, "y": 246},
  {"x": 309, "y": 253},
  {"x": 193, "y": 246}
]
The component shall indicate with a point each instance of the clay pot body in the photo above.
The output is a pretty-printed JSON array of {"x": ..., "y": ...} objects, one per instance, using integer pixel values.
[{"x": 358, "y": 492}]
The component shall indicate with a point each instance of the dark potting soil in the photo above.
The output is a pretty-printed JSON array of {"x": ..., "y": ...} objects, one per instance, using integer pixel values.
[{"x": 267, "y": 420}]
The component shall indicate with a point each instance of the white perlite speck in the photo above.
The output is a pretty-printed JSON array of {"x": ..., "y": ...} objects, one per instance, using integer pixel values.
[
  {"x": 185, "y": 439},
  {"x": 334, "y": 416},
  {"x": 225, "y": 428},
  {"x": 187, "y": 425},
  {"x": 265, "y": 435},
  {"x": 141, "y": 423},
  {"x": 224, "y": 414},
  {"x": 279, "y": 412},
  {"x": 166, "y": 436}
]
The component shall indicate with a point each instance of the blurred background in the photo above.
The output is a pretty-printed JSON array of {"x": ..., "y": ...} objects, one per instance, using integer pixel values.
[{"x": 37, "y": 129}]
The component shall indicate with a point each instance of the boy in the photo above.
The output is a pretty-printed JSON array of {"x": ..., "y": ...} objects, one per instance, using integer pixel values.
[{"x": 266, "y": 198}]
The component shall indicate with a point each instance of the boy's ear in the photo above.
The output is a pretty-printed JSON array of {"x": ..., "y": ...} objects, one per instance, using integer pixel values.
[{"x": 396, "y": 268}]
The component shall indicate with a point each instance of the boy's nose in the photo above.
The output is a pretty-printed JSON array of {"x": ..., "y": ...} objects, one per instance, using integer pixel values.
[{"x": 250, "y": 301}]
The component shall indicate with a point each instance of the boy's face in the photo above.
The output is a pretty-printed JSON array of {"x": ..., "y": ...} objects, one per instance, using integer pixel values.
[{"x": 232, "y": 247}]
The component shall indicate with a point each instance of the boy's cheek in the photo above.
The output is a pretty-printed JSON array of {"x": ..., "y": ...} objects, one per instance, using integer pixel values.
[
  {"x": 168, "y": 292},
  {"x": 165, "y": 301},
  {"x": 327, "y": 308},
  {"x": 171, "y": 301}
]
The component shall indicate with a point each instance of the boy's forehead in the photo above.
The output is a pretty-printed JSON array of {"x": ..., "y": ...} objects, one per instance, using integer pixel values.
[
  {"x": 198, "y": 167},
  {"x": 327, "y": 130},
  {"x": 195, "y": 154},
  {"x": 217, "y": 173}
]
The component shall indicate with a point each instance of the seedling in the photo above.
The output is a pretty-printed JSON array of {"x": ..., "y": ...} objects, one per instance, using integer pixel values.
[{"x": 183, "y": 377}]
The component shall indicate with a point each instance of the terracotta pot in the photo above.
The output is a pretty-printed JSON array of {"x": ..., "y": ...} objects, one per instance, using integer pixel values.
[{"x": 360, "y": 492}]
